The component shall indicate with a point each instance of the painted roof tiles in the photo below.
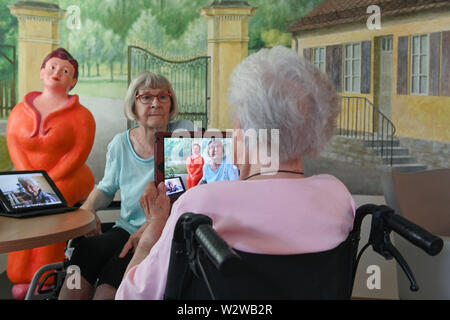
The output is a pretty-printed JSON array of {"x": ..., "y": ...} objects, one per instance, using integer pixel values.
[{"x": 336, "y": 12}]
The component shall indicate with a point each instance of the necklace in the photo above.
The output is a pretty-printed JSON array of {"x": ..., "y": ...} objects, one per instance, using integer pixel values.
[{"x": 285, "y": 171}]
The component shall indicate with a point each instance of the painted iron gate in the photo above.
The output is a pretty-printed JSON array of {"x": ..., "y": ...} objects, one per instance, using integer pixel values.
[
  {"x": 189, "y": 79},
  {"x": 7, "y": 79}
]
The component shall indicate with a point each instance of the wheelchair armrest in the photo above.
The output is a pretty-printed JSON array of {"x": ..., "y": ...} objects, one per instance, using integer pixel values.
[
  {"x": 196, "y": 230},
  {"x": 218, "y": 251}
]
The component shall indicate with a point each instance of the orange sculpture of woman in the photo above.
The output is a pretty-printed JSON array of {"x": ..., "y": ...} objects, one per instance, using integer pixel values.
[
  {"x": 50, "y": 131},
  {"x": 194, "y": 166}
]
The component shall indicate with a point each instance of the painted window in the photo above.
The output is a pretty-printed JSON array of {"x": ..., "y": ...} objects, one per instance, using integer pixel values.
[
  {"x": 419, "y": 64},
  {"x": 386, "y": 44},
  {"x": 352, "y": 68},
  {"x": 319, "y": 58}
]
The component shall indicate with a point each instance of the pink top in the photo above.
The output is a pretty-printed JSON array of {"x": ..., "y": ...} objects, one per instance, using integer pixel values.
[{"x": 271, "y": 216}]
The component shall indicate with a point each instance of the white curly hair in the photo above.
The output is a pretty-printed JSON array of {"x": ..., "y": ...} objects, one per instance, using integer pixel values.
[{"x": 277, "y": 89}]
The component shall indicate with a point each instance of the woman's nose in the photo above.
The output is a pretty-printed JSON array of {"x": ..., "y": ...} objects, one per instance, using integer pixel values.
[{"x": 155, "y": 103}]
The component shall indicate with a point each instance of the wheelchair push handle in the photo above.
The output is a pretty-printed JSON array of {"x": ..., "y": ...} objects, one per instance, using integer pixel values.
[
  {"x": 216, "y": 248},
  {"x": 418, "y": 236}
]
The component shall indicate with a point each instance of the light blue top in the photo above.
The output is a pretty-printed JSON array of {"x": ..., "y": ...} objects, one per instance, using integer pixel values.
[
  {"x": 126, "y": 171},
  {"x": 226, "y": 171}
]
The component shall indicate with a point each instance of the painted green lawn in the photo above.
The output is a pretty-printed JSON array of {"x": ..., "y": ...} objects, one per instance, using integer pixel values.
[{"x": 5, "y": 161}]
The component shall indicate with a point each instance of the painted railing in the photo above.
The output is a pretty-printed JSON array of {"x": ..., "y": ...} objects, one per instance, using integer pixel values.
[{"x": 361, "y": 119}]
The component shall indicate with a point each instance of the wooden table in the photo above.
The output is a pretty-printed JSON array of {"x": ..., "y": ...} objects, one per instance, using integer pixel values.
[{"x": 27, "y": 233}]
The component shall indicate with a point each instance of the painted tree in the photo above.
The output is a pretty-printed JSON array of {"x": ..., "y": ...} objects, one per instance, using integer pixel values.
[
  {"x": 119, "y": 16},
  {"x": 181, "y": 11},
  {"x": 8, "y": 24},
  {"x": 147, "y": 29},
  {"x": 193, "y": 41},
  {"x": 8, "y": 35},
  {"x": 78, "y": 49},
  {"x": 276, "y": 15},
  {"x": 110, "y": 52},
  {"x": 97, "y": 42}
]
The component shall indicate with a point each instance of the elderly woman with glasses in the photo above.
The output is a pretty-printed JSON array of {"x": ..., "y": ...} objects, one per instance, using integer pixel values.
[
  {"x": 104, "y": 254},
  {"x": 218, "y": 166},
  {"x": 267, "y": 211}
]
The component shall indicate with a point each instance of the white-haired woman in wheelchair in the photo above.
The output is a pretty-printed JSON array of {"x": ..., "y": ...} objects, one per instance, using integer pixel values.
[
  {"x": 104, "y": 254},
  {"x": 277, "y": 212}
]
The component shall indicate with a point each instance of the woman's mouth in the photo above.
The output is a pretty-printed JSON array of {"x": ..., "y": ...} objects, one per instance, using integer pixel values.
[{"x": 55, "y": 78}]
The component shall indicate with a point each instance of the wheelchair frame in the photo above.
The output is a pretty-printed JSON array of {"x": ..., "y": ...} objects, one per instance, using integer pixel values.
[{"x": 194, "y": 234}]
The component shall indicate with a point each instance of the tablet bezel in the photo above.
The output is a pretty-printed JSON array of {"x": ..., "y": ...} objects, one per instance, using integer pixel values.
[
  {"x": 4, "y": 202},
  {"x": 159, "y": 149}
]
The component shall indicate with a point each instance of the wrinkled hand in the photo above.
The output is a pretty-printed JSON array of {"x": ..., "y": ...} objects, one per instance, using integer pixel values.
[
  {"x": 156, "y": 206},
  {"x": 98, "y": 223},
  {"x": 155, "y": 202}
]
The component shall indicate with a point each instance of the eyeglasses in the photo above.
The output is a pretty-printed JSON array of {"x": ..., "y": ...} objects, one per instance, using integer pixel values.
[{"x": 147, "y": 98}]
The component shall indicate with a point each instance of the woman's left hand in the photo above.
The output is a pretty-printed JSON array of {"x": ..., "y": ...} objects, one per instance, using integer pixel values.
[
  {"x": 156, "y": 206},
  {"x": 132, "y": 241},
  {"x": 154, "y": 202}
]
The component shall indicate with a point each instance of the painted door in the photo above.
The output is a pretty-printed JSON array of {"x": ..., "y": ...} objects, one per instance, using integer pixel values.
[{"x": 385, "y": 90}]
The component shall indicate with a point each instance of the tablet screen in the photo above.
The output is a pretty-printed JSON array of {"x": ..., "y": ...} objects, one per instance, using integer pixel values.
[
  {"x": 27, "y": 190},
  {"x": 174, "y": 186},
  {"x": 198, "y": 160}
]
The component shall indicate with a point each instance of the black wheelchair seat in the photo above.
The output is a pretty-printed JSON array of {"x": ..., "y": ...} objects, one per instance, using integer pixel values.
[
  {"x": 321, "y": 275},
  {"x": 202, "y": 265}
]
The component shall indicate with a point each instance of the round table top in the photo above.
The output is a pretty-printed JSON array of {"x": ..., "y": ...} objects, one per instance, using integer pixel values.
[{"x": 26, "y": 233}]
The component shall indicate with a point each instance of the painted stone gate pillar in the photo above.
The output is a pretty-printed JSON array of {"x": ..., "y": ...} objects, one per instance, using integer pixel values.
[
  {"x": 227, "y": 46},
  {"x": 38, "y": 36}
]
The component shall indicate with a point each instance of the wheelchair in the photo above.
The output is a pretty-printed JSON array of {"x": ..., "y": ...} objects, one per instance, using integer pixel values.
[
  {"x": 203, "y": 266},
  {"x": 56, "y": 271}
]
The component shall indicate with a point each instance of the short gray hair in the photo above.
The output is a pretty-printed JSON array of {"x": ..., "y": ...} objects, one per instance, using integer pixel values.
[
  {"x": 148, "y": 79},
  {"x": 277, "y": 89},
  {"x": 22, "y": 181}
]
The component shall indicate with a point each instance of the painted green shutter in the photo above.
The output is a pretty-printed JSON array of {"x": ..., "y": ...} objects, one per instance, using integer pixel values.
[
  {"x": 402, "y": 66},
  {"x": 333, "y": 65},
  {"x": 435, "y": 63},
  {"x": 445, "y": 77},
  {"x": 307, "y": 54},
  {"x": 366, "y": 64}
]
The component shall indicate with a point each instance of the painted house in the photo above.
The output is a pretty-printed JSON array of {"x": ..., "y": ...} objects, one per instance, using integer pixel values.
[{"x": 402, "y": 68}]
